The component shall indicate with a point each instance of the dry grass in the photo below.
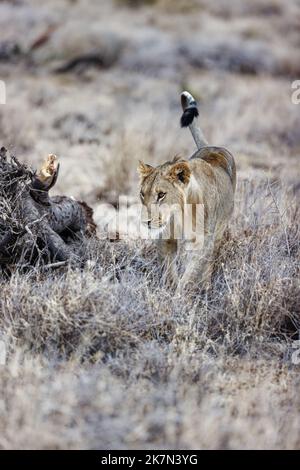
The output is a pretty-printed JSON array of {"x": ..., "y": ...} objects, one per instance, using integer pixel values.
[{"x": 104, "y": 355}]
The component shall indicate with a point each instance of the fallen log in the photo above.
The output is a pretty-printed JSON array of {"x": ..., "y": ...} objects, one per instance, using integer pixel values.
[{"x": 35, "y": 227}]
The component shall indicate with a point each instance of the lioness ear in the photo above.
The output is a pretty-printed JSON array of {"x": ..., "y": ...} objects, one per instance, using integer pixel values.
[
  {"x": 176, "y": 158},
  {"x": 180, "y": 172},
  {"x": 144, "y": 169}
]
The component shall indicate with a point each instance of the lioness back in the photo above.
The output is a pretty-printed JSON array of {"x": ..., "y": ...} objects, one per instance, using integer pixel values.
[{"x": 218, "y": 157}]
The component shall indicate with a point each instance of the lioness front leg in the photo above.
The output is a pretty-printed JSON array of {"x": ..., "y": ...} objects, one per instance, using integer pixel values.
[
  {"x": 201, "y": 259},
  {"x": 168, "y": 252},
  {"x": 199, "y": 267}
]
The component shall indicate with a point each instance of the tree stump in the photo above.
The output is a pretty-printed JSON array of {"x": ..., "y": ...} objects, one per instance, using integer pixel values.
[{"x": 35, "y": 227}]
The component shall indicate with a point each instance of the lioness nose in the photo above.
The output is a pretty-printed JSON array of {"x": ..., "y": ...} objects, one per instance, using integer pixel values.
[{"x": 149, "y": 223}]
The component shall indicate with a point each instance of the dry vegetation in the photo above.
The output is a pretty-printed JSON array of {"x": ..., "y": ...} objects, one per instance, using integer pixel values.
[{"x": 102, "y": 355}]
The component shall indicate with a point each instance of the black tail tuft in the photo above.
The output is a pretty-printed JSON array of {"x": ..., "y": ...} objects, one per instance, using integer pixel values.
[{"x": 188, "y": 116}]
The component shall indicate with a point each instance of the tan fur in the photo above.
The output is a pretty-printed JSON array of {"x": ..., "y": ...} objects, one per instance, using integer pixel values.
[{"x": 207, "y": 178}]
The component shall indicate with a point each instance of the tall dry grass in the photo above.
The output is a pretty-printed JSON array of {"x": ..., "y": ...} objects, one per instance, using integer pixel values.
[{"x": 105, "y": 356}]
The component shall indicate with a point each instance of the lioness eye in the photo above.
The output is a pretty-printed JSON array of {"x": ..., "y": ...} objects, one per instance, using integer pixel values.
[
  {"x": 160, "y": 195},
  {"x": 142, "y": 195}
]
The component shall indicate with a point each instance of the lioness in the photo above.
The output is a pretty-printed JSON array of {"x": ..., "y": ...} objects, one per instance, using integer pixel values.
[{"x": 208, "y": 179}]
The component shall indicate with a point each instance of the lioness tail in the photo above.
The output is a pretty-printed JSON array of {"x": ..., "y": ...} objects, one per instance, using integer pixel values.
[{"x": 190, "y": 112}]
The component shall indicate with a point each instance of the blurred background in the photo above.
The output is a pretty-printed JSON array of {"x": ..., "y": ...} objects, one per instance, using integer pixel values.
[{"x": 98, "y": 84}]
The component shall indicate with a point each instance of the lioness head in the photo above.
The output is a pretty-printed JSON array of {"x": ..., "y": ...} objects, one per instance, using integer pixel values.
[{"x": 163, "y": 191}]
